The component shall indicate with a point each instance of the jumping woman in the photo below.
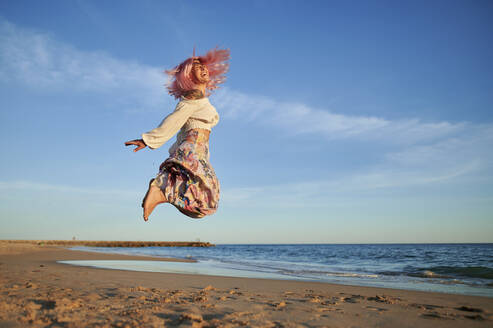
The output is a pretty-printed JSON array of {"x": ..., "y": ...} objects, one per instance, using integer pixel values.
[{"x": 186, "y": 179}]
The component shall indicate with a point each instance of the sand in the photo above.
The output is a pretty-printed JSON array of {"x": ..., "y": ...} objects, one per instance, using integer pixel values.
[
  {"x": 35, "y": 291},
  {"x": 108, "y": 243}
]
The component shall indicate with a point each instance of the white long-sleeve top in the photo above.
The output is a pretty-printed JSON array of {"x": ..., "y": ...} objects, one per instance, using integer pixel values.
[{"x": 188, "y": 114}]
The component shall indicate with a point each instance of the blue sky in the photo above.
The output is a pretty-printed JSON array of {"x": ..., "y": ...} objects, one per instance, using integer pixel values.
[{"x": 341, "y": 122}]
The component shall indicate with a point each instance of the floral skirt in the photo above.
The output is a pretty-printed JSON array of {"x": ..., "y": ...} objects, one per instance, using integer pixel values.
[{"x": 187, "y": 179}]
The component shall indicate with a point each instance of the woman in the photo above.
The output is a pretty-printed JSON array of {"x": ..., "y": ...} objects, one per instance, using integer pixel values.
[{"x": 186, "y": 179}]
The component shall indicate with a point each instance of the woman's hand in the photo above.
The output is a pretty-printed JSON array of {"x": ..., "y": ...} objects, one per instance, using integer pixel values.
[{"x": 137, "y": 142}]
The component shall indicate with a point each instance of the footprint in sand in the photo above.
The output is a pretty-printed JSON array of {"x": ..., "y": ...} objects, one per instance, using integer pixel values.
[
  {"x": 235, "y": 292},
  {"x": 315, "y": 299},
  {"x": 384, "y": 299},
  {"x": 348, "y": 300},
  {"x": 469, "y": 309},
  {"x": 426, "y": 306},
  {"x": 432, "y": 315},
  {"x": 31, "y": 285},
  {"x": 374, "y": 308},
  {"x": 279, "y": 306},
  {"x": 477, "y": 317}
]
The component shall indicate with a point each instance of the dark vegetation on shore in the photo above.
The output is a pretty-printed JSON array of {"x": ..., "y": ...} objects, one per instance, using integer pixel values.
[{"x": 103, "y": 243}]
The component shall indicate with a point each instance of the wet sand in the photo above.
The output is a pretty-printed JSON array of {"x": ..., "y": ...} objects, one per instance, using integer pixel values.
[{"x": 35, "y": 291}]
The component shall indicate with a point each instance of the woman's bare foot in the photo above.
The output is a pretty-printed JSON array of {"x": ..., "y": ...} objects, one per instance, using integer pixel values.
[{"x": 153, "y": 197}]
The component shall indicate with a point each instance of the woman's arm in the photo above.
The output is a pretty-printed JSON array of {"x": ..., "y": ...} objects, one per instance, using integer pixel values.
[
  {"x": 167, "y": 129},
  {"x": 169, "y": 126}
]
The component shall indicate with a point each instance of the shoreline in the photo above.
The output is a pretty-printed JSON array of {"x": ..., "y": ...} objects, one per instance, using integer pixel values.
[
  {"x": 39, "y": 291},
  {"x": 181, "y": 267},
  {"x": 212, "y": 262}
]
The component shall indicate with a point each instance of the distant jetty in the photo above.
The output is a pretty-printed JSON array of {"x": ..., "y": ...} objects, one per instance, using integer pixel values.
[{"x": 104, "y": 243}]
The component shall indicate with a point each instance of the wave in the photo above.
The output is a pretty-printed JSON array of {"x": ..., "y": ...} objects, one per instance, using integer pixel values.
[
  {"x": 468, "y": 272},
  {"x": 445, "y": 272},
  {"x": 349, "y": 274}
]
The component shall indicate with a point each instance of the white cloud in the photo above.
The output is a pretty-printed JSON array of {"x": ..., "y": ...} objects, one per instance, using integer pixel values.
[
  {"x": 299, "y": 118},
  {"x": 472, "y": 146},
  {"x": 39, "y": 61}
]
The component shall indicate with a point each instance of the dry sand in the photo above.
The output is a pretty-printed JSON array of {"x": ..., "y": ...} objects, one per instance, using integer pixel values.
[{"x": 35, "y": 291}]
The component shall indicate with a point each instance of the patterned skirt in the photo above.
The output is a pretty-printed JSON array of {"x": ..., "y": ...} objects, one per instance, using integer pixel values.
[{"x": 187, "y": 179}]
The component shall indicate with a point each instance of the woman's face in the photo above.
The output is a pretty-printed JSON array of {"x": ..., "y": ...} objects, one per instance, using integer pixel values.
[{"x": 200, "y": 72}]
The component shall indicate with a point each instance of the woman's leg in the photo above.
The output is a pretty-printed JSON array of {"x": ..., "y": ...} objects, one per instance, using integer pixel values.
[{"x": 153, "y": 197}]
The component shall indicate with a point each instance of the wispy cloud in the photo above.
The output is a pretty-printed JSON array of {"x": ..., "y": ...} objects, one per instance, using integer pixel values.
[
  {"x": 298, "y": 118},
  {"x": 473, "y": 145},
  {"x": 38, "y": 60}
]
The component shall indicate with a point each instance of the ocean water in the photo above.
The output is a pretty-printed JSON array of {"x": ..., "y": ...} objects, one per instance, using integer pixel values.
[{"x": 449, "y": 268}]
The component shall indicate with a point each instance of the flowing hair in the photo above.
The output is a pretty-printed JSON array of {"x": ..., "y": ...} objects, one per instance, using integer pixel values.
[{"x": 181, "y": 78}]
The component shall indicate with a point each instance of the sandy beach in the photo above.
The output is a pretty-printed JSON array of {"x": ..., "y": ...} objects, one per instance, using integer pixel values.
[{"x": 36, "y": 291}]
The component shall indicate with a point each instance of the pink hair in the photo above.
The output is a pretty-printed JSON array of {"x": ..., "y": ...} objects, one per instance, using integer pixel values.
[{"x": 182, "y": 81}]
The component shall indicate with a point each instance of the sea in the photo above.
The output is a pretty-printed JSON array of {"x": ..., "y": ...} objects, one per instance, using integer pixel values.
[{"x": 447, "y": 268}]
